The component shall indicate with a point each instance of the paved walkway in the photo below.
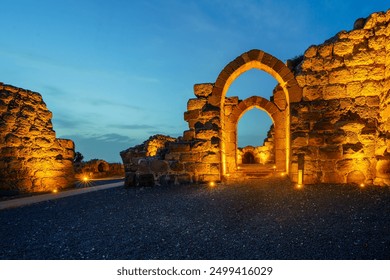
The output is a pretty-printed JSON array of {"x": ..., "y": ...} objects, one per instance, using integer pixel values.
[{"x": 12, "y": 203}]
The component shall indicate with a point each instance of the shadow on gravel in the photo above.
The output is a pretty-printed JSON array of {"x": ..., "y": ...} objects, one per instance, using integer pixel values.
[{"x": 262, "y": 219}]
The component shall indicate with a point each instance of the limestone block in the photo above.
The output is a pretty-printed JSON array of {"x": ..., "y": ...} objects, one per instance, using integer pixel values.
[
  {"x": 192, "y": 115},
  {"x": 145, "y": 180},
  {"x": 176, "y": 166},
  {"x": 325, "y": 125},
  {"x": 311, "y": 93},
  {"x": 190, "y": 167},
  {"x": 377, "y": 73},
  {"x": 333, "y": 63},
  {"x": 360, "y": 101},
  {"x": 344, "y": 166},
  {"x": 356, "y": 177},
  {"x": 372, "y": 101},
  {"x": 342, "y": 48},
  {"x": 195, "y": 103},
  {"x": 334, "y": 91},
  {"x": 301, "y": 79},
  {"x": 325, "y": 50},
  {"x": 310, "y": 179},
  {"x": 383, "y": 169},
  {"x": 311, "y": 52},
  {"x": 375, "y": 19},
  {"x": 378, "y": 42},
  {"x": 321, "y": 78},
  {"x": 231, "y": 101},
  {"x": 179, "y": 147},
  {"x": 215, "y": 168},
  {"x": 330, "y": 152},
  {"x": 209, "y": 177},
  {"x": 159, "y": 166},
  {"x": 201, "y": 145},
  {"x": 360, "y": 34},
  {"x": 206, "y": 134},
  {"x": 203, "y": 90},
  {"x": 313, "y": 64},
  {"x": 315, "y": 139},
  {"x": 341, "y": 76},
  {"x": 130, "y": 180},
  {"x": 352, "y": 126},
  {"x": 143, "y": 166},
  {"x": 202, "y": 168},
  {"x": 332, "y": 177},
  {"x": 12, "y": 140},
  {"x": 188, "y": 135},
  {"x": 211, "y": 158},
  {"x": 190, "y": 157},
  {"x": 299, "y": 139}
]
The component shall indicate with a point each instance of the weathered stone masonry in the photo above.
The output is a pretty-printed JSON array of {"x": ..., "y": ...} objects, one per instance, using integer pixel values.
[
  {"x": 331, "y": 115},
  {"x": 341, "y": 126},
  {"x": 32, "y": 159}
]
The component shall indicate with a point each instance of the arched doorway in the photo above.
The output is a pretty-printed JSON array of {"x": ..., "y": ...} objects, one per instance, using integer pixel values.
[
  {"x": 231, "y": 143},
  {"x": 288, "y": 91},
  {"x": 248, "y": 158}
]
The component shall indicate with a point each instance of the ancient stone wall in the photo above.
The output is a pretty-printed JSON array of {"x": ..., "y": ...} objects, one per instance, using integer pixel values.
[
  {"x": 32, "y": 159},
  {"x": 340, "y": 128},
  {"x": 330, "y": 110},
  {"x": 98, "y": 168}
]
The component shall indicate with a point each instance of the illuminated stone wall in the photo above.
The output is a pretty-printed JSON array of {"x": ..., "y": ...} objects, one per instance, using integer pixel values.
[
  {"x": 340, "y": 129},
  {"x": 97, "y": 168},
  {"x": 330, "y": 110},
  {"x": 32, "y": 159}
]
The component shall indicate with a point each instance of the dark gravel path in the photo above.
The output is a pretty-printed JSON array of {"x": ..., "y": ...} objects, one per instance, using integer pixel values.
[{"x": 256, "y": 220}]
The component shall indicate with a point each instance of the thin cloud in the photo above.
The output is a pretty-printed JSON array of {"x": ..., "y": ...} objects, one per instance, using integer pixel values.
[
  {"x": 114, "y": 137},
  {"x": 134, "y": 126},
  {"x": 105, "y": 146},
  {"x": 105, "y": 102}
]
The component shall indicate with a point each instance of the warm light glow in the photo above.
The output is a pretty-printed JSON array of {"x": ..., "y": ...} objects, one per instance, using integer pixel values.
[
  {"x": 362, "y": 185},
  {"x": 299, "y": 186},
  {"x": 85, "y": 179},
  {"x": 300, "y": 177},
  {"x": 212, "y": 184},
  {"x": 55, "y": 191},
  {"x": 283, "y": 174}
]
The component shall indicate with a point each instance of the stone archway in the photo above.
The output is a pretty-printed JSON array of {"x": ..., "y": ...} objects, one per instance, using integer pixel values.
[
  {"x": 292, "y": 92},
  {"x": 248, "y": 158},
  {"x": 278, "y": 117}
]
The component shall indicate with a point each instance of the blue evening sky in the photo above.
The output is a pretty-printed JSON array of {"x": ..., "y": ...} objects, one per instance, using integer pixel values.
[{"x": 116, "y": 72}]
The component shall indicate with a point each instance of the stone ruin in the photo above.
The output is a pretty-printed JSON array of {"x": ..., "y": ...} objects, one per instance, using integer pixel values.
[
  {"x": 32, "y": 159},
  {"x": 97, "y": 168},
  {"x": 330, "y": 111}
]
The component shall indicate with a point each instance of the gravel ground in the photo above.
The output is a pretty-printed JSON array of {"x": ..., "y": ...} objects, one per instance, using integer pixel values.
[{"x": 266, "y": 219}]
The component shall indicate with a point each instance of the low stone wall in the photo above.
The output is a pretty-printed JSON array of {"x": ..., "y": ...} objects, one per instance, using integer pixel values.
[
  {"x": 32, "y": 159},
  {"x": 98, "y": 168},
  {"x": 161, "y": 168}
]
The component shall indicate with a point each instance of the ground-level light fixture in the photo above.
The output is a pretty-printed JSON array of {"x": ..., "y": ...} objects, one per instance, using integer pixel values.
[
  {"x": 54, "y": 191},
  {"x": 212, "y": 184}
]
